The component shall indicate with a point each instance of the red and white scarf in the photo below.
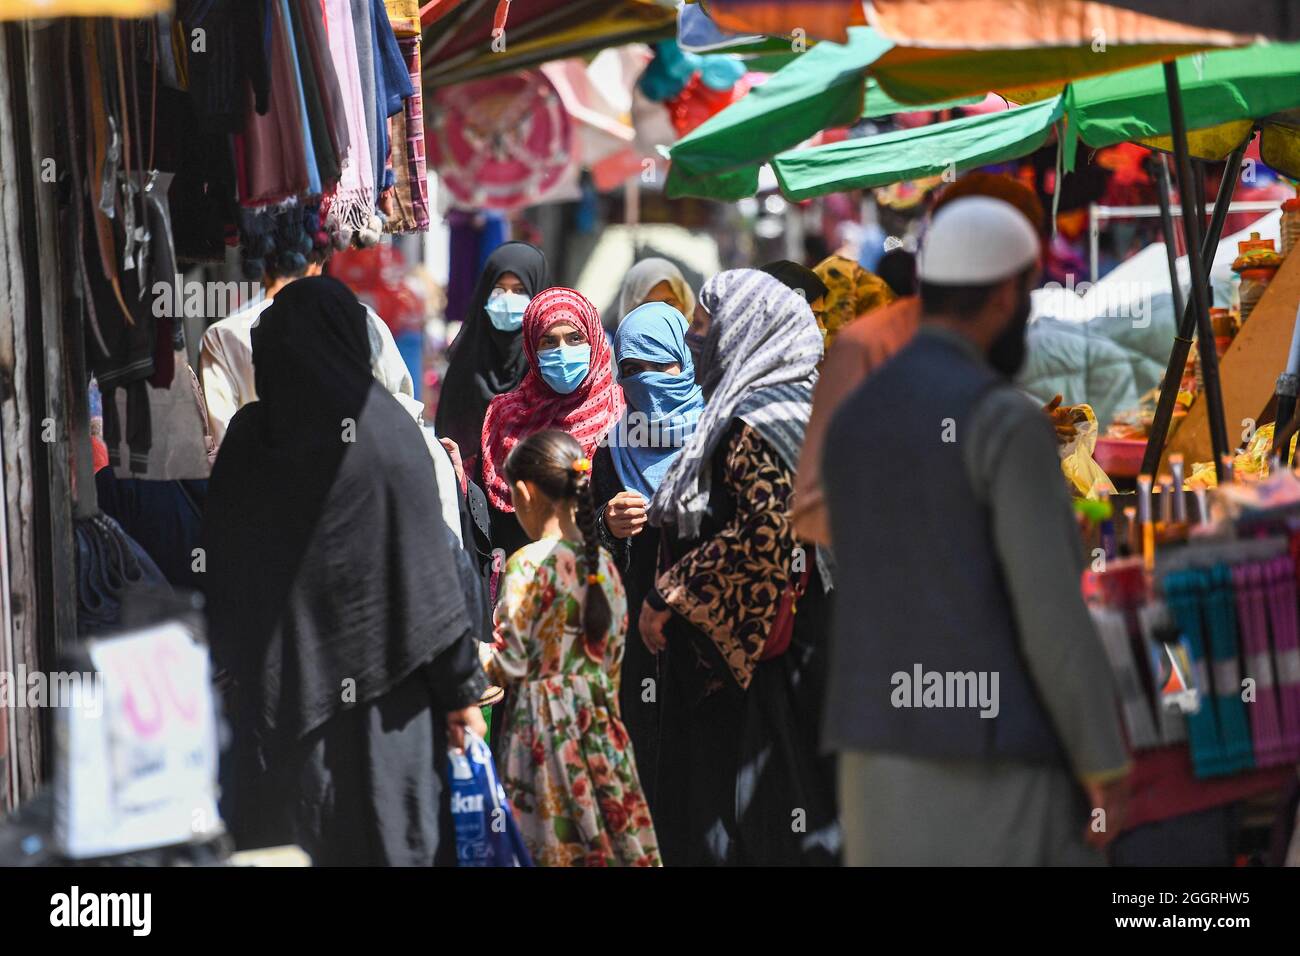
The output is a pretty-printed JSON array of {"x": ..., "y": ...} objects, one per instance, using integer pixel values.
[{"x": 586, "y": 413}]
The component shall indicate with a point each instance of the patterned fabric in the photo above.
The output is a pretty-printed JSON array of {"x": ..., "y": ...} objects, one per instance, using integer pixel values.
[
  {"x": 730, "y": 585},
  {"x": 586, "y": 413},
  {"x": 404, "y": 15},
  {"x": 353, "y": 203},
  {"x": 761, "y": 351},
  {"x": 851, "y": 291},
  {"x": 409, "y": 208},
  {"x": 566, "y": 763}
]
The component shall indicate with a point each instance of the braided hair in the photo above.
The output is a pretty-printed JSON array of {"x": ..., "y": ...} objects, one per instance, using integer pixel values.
[{"x": 553, "y": 461}]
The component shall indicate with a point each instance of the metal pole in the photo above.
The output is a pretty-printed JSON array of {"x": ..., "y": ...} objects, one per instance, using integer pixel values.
[
  {"x": 1094, "y": 243},
  {"x": 1164, "y": 193},
  {"x": 1198, "y": 194},
  {"x": 1196, "y": 316}
]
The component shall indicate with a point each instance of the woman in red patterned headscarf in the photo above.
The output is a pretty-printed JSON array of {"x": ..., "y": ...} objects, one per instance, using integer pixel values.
[{"x": 569, "y": 386}]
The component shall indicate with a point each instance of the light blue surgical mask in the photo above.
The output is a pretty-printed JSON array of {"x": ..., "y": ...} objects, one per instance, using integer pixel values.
[
  {"x": 506, "y": 309},
  {"x": 564, "y": 368}
]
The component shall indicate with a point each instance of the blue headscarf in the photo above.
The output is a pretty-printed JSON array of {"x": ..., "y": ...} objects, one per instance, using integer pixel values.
[{"x": 662, "y": 409}]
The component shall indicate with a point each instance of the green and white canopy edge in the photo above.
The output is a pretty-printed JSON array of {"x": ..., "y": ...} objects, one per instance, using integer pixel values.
[
  {"x": 836, "y": 84},
  {"x": 1226, "y": 94}
]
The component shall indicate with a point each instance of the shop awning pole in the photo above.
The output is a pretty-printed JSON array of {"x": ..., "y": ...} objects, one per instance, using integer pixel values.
[
  {"x": 1198, "y": 320},
  {"x": 1165, "y": 192},
  {"x": 1187, "y": 325}
]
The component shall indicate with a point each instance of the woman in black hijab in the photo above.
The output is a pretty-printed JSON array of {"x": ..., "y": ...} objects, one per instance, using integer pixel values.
[
  {"x": 487, "y": 358},
  {"x": 800, "y": 278},
  {"x": 334, "y": 602}
]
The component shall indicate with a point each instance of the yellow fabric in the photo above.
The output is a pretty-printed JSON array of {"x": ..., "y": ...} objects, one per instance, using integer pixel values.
[
  {"x": 1214, "y": 142},
  {"x": 623, "y": 22},
  {"x": 1024, "y": 95},
  {"x": 34, "y": 9},
  {"x": 1279, "y": 143},
  {"x": 852, "y": 291},
  {"x": 1279, "y": 146},
  {"x": 404, "y": 16},
  {"x": 1084, "y": 474}
]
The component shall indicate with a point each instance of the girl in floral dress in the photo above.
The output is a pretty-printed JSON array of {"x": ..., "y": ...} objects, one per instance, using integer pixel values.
[{"x": 561, "y": 618}]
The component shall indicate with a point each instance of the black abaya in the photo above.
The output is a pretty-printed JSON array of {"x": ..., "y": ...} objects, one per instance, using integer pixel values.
[
  {"x": 637, "y": 559},
  {"x": 333, "y": 598},
  {"x": 740, "y": 776}
]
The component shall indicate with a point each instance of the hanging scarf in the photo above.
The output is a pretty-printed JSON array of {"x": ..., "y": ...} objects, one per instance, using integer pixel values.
[
  {"x": 272, "y": 152},
  {"x": 352, "y": 204},
  {"x": 309, "y": 133},
  {"x": 320, "y": 89},
  {"x": 663, "y": 409},
  {"x": 363, "y": 38},
  {"x": 411, "y": 188},
  {"x": 758, "y": 364},
  {"x": 586, "y": 413},
  {"x": 851, "y": 291},
  {"x": 392, "y": 87}
]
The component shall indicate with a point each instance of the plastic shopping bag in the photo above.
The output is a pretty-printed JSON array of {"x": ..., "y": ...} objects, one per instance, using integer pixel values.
[
  {"x": 486, "y": 832},
  {"x": 1082, "y": 471}
]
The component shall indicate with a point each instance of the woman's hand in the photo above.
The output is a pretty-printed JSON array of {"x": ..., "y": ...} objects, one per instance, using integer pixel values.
[
  {"x": 453, "y": 450},
  {"x": 625, "y": 515},
  {"x": 458, "y": 721},
  {"x": 1064, "y": 419},
  {"x": 651, "y": 625}
]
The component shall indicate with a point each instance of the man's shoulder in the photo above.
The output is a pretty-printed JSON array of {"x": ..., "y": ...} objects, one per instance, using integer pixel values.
[
  {"x": 1005, "y": 403},
  {"x": 1005, "y": 414},
  {"x": 899, "y": 317},
  {"x": 237, "y": 327}
]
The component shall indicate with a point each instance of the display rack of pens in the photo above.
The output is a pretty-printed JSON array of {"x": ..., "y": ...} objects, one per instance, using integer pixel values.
[{"x": 1200, "y": 624}]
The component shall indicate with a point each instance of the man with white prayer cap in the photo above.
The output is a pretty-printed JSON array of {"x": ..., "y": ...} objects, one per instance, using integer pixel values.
[{"x": 969, "y": 697}]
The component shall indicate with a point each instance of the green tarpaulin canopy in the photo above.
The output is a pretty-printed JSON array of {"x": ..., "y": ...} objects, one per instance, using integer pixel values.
[
  {"x": 720, "y": 158},
  {"x": 827, "y": 86},
  {"x": 939, "y": 149},
  {"x": 1224, "y": 94}
]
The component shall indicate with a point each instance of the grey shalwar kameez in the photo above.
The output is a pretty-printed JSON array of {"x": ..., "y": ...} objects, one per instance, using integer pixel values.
[{"x": 906, "y": 809}]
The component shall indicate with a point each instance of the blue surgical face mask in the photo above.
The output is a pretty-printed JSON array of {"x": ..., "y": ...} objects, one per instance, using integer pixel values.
[
  {"x": 564, "y": 368},
  {"x": 506, "y": 309}
]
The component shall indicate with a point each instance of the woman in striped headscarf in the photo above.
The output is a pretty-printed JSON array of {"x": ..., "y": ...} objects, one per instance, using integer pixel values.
[
  {"x": 741, "y": 689},
  {"x": 569, "y": 386}
]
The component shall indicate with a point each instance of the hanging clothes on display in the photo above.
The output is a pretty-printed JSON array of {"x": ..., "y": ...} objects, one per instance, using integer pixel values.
[{"x": 111, "y": 567}]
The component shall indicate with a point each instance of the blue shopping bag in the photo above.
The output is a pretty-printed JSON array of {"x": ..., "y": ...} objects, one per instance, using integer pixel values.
[{"x": 486, "y": 832}]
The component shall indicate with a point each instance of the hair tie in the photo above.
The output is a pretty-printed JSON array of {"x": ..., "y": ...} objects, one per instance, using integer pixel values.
[
  {"x": 582, "y": 464},
  {"x": 595, "y": 579}
]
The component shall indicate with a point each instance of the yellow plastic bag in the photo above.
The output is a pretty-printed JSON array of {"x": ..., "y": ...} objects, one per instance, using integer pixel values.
[{"x": 1085, "y": 475}]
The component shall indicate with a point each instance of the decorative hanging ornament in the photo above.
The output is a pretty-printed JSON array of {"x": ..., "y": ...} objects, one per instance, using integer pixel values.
[{"x": 500, "y": 142}]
